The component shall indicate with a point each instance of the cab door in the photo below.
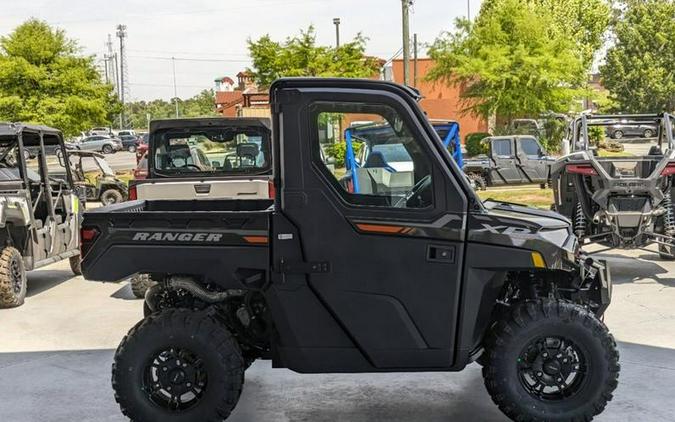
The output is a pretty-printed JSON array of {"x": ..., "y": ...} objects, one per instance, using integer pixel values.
[
  {"x": 533, "y": 162},
  {"x": 386, "y": 262},
  {"x": 505, "y": 166}
]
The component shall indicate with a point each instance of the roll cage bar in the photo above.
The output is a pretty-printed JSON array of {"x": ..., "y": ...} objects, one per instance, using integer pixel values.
[{"x": 579, "y": 127}]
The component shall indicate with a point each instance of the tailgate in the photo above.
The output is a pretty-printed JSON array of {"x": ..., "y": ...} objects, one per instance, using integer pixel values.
[{"x": 216, "y": 240}]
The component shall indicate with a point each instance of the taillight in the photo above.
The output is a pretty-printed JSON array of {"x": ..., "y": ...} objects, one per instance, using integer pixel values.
[
  {"x": 584, "y": 169},
  {"x": 271, "y": 189},
  {"x": 133, "y": 193},
  {"x": 669, "y": 170},
  {"x": 87, "y": 238}
]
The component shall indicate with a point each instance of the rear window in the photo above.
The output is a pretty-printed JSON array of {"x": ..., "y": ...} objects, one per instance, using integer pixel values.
[{"x": 211, "y": 151}]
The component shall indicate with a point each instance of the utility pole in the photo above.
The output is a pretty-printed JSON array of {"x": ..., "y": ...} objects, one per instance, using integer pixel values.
[
  {"x": 468, "y": 9},
  {"x": 124, "y": 72},
  {"x": 175, "y": 90},
  {"x": 406, "y": 40},
  {"x": 336, "y": 22},
  {"x": 415, "y": 60}
]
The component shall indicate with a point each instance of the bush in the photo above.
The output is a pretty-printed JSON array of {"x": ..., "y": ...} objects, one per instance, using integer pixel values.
[
  {"x": 338, "y": 150},
  {"x": 596, "y": 135},
  {"x": 474, "y": 144}
]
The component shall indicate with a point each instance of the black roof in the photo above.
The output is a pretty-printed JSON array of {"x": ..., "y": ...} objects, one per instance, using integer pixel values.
[
  {"x": 209, "y": 121},
  {"x": 13, "y": 129}
]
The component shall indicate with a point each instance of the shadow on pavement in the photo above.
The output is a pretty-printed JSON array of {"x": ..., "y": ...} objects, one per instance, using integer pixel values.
[
  {"x": 42, "y": 280},
  {"x": 124, "y": 292},
  {"x": 627, "y": 269},
  {"x": 75, "y": 385}
]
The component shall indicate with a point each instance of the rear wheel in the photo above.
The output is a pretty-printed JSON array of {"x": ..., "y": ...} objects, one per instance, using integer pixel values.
[
  {"x": 76, "y": 265},
  {"x": 131, "y": 148},
  {"x": 479, "y": 180},
  {"x": 13, "y": 281},
  {"x": 648, "y": 133},
  {"x": 178, "y": 366},
  {"x": 617, "y": 134},
  {"x": 111, "y": 196},
  {"x": 140, "y": 283},
  {"x": 551, "y": 360},
  {"x": 107, "y": 149}
]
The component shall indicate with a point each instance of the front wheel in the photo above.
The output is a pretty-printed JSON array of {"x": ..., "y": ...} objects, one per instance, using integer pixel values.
[
  {"x": 648, "y": 133},
  {"x": 13, "y": 281},
  {"x": 617, "y": 135},
  {"x": 550, "y": 360},
  {"x": 667, "y": 252},
  {"x": 131, "y": 148},
  {"x": 178, "y": 366},
  {"x": 111, "y": 196},
  {"x": 107, "y": 149}
]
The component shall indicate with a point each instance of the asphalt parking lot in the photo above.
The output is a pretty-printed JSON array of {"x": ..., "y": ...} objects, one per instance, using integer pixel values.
[{"x": 56, "y": 351}]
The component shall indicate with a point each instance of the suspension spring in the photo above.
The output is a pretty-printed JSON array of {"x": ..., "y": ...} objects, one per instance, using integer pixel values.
[
  {"x": 669, "y": 216},
  {"x": 579, "y": 221}
]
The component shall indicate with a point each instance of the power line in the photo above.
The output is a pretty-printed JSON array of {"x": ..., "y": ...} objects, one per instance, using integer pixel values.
[{"x": 189, "y": 59}]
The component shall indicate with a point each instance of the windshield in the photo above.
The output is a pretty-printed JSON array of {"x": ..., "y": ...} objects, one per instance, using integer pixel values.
[{"x": 217, "y": 151}]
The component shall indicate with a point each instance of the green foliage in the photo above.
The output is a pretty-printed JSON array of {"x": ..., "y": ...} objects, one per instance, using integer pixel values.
[
  {"x": 43, "y": 79},
  {"x": 300, "y": 56},
  {"x": 554, "y": 131},
  {"x": 514, "y": 60},
  {"x": 596, "y": 135},
  {"x": 201, "y": 105},
  {"x": 474, "y": 144},
  {"x": 338, "y": 150},
  {"x": 639, "y": 67}
]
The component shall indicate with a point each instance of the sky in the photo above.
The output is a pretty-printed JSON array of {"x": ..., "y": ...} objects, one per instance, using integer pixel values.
[{"x": 208, "y": 37}]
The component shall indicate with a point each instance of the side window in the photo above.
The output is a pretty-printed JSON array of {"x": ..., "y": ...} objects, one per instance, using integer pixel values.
[
  {"x": 530, "y": 148},
  {"x": 502, "y": 148},
  {"x": 372, "y": 158}
]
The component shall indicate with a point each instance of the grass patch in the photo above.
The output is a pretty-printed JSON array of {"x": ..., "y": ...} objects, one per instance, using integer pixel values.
[{"x": 540, "y": 198}]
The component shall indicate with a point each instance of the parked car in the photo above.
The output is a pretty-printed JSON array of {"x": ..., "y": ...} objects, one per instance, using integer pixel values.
[
  {"x": 96, "y": 177},
  {"x": 141, "y": 170},
  {"x": 129, "y": 132},
  {"x": 129, "y": 142},
  {"x": 99, "y": 131},
  {"x": 141, "y": 146},
  {"x": 40, "y": 210},
  {"x": 99, "y": 143},
  {"x": 323, "y": 280},
  {"x": 511, "y": 160},
  {"x": 631, "y": 129}
]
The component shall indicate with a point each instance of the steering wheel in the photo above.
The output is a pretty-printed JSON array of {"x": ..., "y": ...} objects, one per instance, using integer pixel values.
[
  {"x": 415, "y": 192},
  {"x": 186, "y": 165}
]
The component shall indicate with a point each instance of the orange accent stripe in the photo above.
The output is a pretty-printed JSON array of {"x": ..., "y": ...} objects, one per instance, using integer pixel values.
[
  {"x": 376, "y": 228},
  {"x": 256, "y": 239}
]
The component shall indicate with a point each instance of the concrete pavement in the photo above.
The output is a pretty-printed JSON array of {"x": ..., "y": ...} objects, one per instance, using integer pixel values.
[{"x": 56, "y": 351}]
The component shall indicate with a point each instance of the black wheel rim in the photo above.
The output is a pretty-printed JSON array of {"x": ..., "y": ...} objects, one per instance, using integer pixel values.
[
  {"x": 175, "y": 379},
  {"x": 17, "y": 276},
  {"x": 552, "y": 368}
]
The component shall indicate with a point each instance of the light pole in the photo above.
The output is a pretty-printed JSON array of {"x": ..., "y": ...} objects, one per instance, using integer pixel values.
[
  {"x": 336, "y": 22},
  {"x": 468, "y": 9},
  {"x": 406, "y": 40},
  {"x": 175, "y": 91}
]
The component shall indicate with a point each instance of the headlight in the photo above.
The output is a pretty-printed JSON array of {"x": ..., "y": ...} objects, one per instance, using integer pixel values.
[{"x": 557, "y": 237}]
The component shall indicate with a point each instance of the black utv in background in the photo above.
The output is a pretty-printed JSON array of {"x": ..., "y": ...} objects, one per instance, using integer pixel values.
[
  {"x": 511, "y": 160},
  {"x": 621, "y": 201},
  {"x": 320, "y": 279}
]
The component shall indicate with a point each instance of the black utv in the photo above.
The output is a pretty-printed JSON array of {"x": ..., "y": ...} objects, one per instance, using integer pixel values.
[
  {"x": 39, "y": 207},
  {"x": 622, "y": 200},
  {"x": 320, "y": 279}
]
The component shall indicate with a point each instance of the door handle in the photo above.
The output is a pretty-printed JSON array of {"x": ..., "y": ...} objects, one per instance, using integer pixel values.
[{"x": 441, "y": 253}]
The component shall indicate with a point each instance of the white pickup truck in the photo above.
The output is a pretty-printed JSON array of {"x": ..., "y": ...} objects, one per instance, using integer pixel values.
[{"x": 205, "y": 158}]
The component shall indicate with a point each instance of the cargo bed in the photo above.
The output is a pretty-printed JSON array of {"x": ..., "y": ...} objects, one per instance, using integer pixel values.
[{"x": 177, "y": 237}]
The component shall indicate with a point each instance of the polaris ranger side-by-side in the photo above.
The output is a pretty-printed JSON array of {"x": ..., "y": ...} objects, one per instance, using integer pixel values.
[
  {"x": 39, "y": 207},
  {"x": 321, "y": 279}
]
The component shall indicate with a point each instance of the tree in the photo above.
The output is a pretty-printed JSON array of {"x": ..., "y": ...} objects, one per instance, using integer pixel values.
[
  {"x": 639, "y": 70},
  {"x": 201, "y": 105},
  {"x": 300, "y": 56},
  {"x": 43, "y": 79},
  {"x": 512, "y": 61},
  {"x": 584, "y": 21}
]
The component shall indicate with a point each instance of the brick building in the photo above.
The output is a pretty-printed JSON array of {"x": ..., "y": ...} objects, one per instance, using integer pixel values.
[{"x": 441, "y": 101}]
